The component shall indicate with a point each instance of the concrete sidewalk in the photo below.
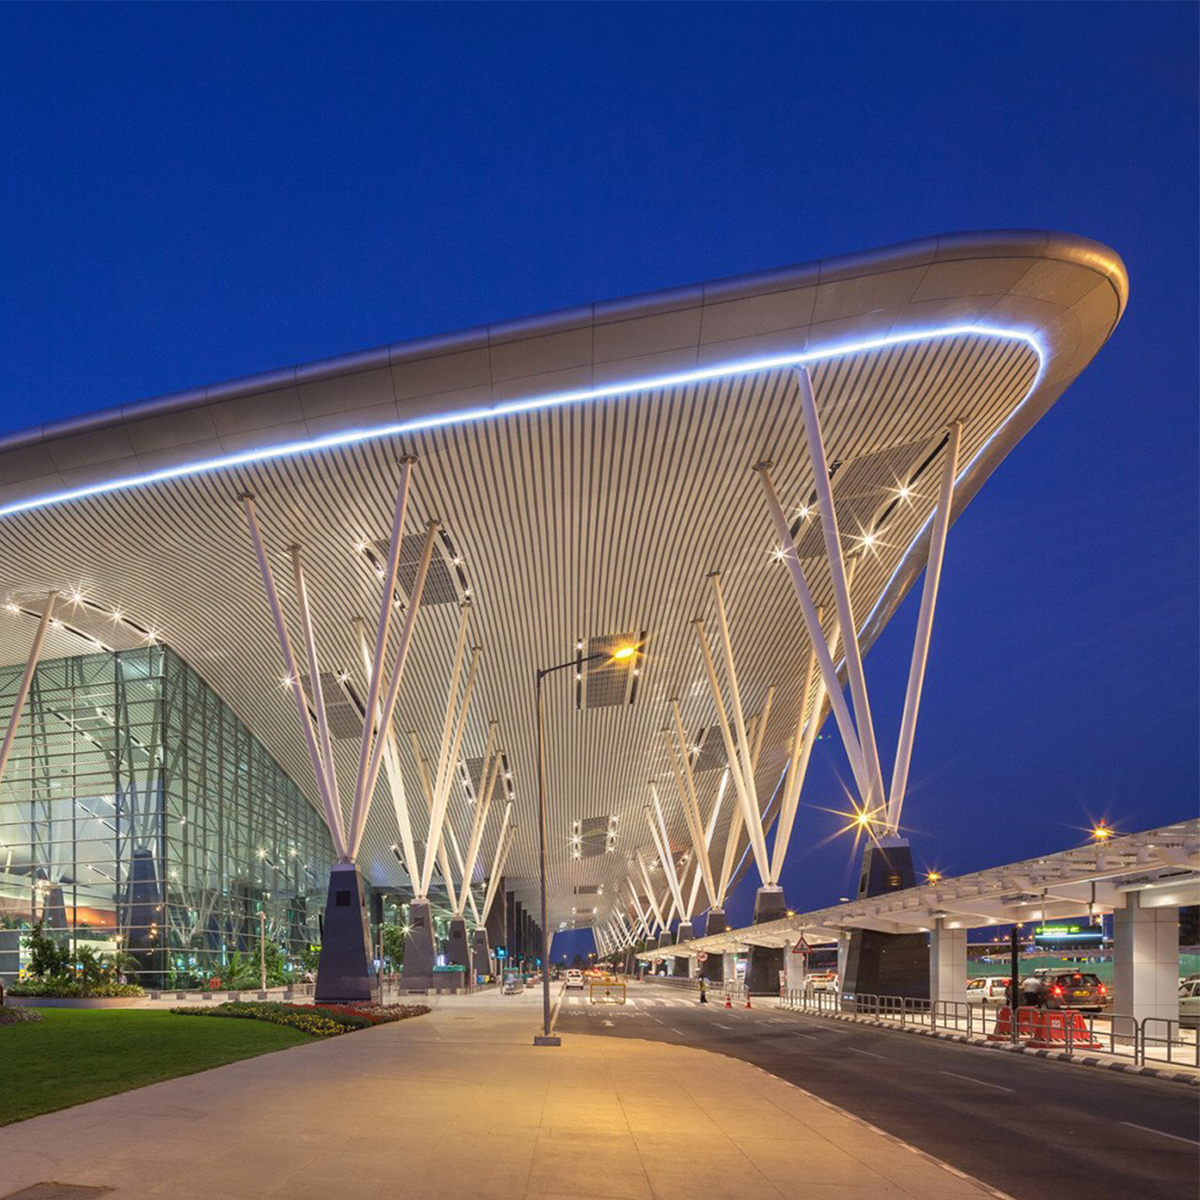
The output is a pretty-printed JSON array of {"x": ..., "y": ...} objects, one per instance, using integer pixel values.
[{"x": 459, "y": 1104}]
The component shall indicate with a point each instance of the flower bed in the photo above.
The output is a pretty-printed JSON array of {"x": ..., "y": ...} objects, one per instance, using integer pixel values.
[{"x": 319, "y": 1020}]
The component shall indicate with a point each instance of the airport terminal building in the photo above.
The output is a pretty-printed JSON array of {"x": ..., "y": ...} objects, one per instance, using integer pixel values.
[{"x": 271, "y": 644}]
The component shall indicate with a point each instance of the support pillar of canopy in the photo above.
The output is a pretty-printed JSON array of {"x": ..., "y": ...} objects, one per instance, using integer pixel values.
[
  {"x": 764, "y": 963},
  {"x": 1145, "y": 961},
  {"x": 713, "y": 967},
  {"x": 947, "y": 963},
  {"x": 685, "y": 933},
  {"x": 458, "y": 951},
  {"x": 886, "y": 964},
  {"x": 420, "y": 953},
  {"x": 481, "y": 955},
  {"x": 344, "y": 972}
]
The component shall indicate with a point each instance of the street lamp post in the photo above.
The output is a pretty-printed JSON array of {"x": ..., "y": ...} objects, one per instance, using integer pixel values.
[
  {"x": 546, "y": 1038},
  {"x": 262, "y": 947}
]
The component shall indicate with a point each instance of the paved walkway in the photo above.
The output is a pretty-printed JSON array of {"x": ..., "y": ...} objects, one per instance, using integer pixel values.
[{"x": 460, "y": 1104}]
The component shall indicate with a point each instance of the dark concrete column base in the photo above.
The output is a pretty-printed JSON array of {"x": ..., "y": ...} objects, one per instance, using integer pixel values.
[
  {"x": 713, "y": 968},
  {"x": 887, "y": 964},
  {"x": 420, "y": 953},
  {"x": 344, "y": 972},
  {"x": 765, "y": 962},
  {"x": 458, "y": 950},
  {"x": 481, "y": 954},
  {"x": 685, "y": 933}
]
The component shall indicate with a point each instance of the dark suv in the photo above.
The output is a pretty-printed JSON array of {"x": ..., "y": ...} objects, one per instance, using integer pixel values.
[{"x": 1063, "y": 988}]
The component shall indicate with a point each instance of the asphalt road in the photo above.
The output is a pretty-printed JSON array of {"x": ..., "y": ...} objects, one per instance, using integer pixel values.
[{"x": 1034, "y": 1129}]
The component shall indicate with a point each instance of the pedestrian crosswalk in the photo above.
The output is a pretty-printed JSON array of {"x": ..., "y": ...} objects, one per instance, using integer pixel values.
[{"x": 633, "y": 1002}]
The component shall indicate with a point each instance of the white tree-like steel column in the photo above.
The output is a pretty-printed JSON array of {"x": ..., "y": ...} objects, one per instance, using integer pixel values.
[
  {"x": 738, "y": 753},
  {"x": 863, "y": 754},
  {"x": 366, "y": 787},
  {"x": 827, "y": 514},
  {"x": 920, "y": 656},
  {"x": 503, "y": 843},
  {"x": 483, "y": 803},
  {"x": 443, "y": 850},
  {"x": 658, "y": 832},
  {"x": 685, "y": 781},
  {"x": 333, "y": 817},
  {"x": 395, "y": 776},
  {"x": 35, "y": 652}
]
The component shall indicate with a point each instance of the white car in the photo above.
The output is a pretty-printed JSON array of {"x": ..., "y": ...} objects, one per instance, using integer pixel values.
[
  {"x": 1189, "y": 1004},
  {"x": 988, "y": 989},
  {"x": 821, "y": 981},
  {"x": 575, "y": 979}
]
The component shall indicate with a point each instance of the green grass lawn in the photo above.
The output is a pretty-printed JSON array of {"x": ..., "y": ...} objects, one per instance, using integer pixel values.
[{"x": 74, "y": 1055}]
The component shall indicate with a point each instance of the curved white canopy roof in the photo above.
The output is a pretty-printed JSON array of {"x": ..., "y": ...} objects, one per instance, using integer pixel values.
[{"x": 590, "y": 468}]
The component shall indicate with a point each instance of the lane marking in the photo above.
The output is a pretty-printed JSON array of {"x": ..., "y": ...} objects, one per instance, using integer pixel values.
[
  {"x": 609, "y": 1024},
  {"x": 674, "y": 1030},
  {"x": 870, "y": 1052},
  {"x": 812, "y": 1038},
  {"x": 1173, "y": 1136},
  {"x": 720, "y": 1026},
  {"x": 981, "y": 1082}
]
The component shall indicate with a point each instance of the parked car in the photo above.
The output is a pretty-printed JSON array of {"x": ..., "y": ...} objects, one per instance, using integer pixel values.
[
  {"x": 1189, "y": 1003},
  {"x": 988, "y": 989},
  {"x": 821, "y": 981},
  {"x": 575, "y": 980},
  {"x": 1063, "y": 988}
]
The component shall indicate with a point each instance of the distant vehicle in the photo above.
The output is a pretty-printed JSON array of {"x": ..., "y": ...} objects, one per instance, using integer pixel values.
[
  {"x": 1189, "y": 1002},
  {"x": 575, "y": 979},
  {"x": 988, "y": 989},
  {"x": 821, "y": 981},
  {"x": 513, "y": 985},
  {"x": 1056, "y": 987}
]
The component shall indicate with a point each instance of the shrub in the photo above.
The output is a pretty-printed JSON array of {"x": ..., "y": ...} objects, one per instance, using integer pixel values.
[
  {"x": 18, "y": 1016},
  {"x": 68, "y": 988}
]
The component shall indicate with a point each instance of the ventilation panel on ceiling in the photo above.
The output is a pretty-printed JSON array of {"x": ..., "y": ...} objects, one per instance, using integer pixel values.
[
  {"x": 862, "y": 490},
  {"x": 343, "y": 709},
  {"x": 446, "y": 581},
  {"x": 712, "y": 756},
  {"x": 605, "y": 682}
]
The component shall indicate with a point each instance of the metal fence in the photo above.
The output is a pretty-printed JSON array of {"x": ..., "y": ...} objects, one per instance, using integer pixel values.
[{"x": 1149, "y": 1042}]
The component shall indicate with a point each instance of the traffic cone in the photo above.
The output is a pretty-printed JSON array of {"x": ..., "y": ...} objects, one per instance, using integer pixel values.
[
  {"x": 748, "y": 1004},
  {"x": 728, "y": 1001}
]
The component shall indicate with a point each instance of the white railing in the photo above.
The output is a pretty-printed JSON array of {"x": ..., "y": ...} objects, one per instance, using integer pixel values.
[{"x": 1151, "y": 1041}]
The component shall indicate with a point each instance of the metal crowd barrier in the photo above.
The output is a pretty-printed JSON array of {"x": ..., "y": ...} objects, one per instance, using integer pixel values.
[{"x": 1153, "y": 1040}]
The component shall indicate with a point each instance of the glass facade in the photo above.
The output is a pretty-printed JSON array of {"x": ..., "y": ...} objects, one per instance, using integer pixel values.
[{"x": 138, "y": 813}]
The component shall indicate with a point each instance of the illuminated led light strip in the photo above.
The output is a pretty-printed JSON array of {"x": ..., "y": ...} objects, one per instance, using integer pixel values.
[{"x": 532, "y": 404}]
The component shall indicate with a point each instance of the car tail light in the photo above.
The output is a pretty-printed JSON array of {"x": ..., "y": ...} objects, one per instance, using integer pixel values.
[
  {"x": 1058, "y": 989},
  {"x": 1103, "y": 990}
]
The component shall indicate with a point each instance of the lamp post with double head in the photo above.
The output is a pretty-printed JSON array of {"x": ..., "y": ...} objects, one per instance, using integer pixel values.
[{"x": 623, "y": 654}]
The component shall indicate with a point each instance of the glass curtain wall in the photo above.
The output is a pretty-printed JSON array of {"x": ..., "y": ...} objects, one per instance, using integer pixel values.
[{"x": 139, "y": 814}]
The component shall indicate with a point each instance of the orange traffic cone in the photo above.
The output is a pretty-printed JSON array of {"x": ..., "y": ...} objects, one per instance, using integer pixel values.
[
  {"x": 728, "y": 1001},
  {"x": 748, "y": 1004}
]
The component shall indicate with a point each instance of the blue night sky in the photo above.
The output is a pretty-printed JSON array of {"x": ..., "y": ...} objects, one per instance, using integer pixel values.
[{"x": 193, "y": 193}]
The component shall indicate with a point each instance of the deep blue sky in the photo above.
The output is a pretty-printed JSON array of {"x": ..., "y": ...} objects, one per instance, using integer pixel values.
[{"x": 193, "y": 193}]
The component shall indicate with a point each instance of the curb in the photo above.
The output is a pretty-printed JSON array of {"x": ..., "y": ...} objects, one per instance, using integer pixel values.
[
  {"x": 1126, "y": 1068},
  {"x": 987, "y": 1188}
]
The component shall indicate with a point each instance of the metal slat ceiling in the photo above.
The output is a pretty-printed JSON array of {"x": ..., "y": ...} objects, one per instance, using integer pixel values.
[{"x": 570, "y": 521}]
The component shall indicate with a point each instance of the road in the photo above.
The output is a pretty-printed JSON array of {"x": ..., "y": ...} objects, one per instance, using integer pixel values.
[{"x": 1033, "y": 1129}]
